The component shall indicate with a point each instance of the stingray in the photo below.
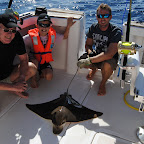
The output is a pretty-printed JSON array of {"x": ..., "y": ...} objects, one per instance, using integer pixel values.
[{"x": 61, "y": 110}]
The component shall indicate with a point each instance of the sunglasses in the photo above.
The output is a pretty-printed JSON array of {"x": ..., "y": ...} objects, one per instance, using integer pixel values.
[
  {"x": 8, "y": 30},
  {"x": 43, "y": 25},
  {"x": 103, "y": 15}
]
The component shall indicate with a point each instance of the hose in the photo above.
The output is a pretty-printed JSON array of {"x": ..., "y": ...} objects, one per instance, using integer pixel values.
[{"x": 128, "y": 103}]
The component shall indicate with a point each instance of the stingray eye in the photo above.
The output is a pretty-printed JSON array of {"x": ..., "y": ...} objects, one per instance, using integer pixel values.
[{"x": 63, "y": 122}]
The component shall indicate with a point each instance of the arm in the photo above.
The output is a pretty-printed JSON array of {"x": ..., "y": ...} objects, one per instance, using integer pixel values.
[
  {"x": 88, "y": 45},
  {"x": 23, "y": 67},
  {"x": 29, "y": 49},
  {"x": 69, "y": 24},
  {"x": 112, "y": 50},
  {"x": 29, "y": 46},
  {"x": 19, "y": 87}
]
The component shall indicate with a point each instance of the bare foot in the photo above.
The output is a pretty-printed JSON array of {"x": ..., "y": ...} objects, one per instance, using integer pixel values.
[
  {"x": 22, "y": 94},
  {"x": 91, "y": 74},
  {"x": 102, "y": 90}
]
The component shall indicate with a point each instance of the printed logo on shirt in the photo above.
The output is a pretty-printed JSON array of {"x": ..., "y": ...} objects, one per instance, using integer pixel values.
[{"x": 100, "y": 42}]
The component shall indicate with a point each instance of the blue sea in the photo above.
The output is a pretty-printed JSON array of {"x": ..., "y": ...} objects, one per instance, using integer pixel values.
[{"x": 120, "y": 8}]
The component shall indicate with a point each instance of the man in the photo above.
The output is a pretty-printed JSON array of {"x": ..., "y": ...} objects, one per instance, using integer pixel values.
[
  {"x": 13, "y": 78},
  {"x": 39, "y": 44},
  {"x": 105, "y": 37}
]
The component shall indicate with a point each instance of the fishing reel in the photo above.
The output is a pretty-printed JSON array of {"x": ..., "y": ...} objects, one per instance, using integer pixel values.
[{"x": 127, "y": 48}]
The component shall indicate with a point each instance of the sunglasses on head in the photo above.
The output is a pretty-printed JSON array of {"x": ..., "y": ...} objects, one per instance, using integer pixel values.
[
  {"x": 8, "y": 30},
  {"x": 43, "y": 25},
  {"x": 103, "y": 15}
]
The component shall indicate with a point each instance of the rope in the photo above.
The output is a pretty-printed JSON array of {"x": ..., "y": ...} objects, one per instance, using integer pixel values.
[
  {"x": 72, "y": 79},
  {"x": 128, "y": 103}
]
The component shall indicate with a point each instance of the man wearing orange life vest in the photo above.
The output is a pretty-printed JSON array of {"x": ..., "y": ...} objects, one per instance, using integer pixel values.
[{"x": 39, "y": 44}]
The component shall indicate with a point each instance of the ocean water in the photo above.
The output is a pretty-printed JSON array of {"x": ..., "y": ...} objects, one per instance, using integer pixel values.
[{"x": 120, "y": 8}]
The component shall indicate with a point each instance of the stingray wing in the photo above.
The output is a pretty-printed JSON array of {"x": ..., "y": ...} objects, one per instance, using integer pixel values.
[
  {"x": 82, "y": 113},
  {"x": 76, "y": 113},
  {"x": 44, "y": 109}
]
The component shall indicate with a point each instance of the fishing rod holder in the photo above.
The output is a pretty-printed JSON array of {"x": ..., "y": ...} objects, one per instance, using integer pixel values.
[
  {"x": 128, "y": 62},
  {"x": 134, "y": 73}
]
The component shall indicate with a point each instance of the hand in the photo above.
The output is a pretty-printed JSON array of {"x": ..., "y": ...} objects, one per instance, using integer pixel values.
[
  {"x": 19, "y": 86},
  {"x": 84, "y": 62},
  {"x": 84, "y": 56},
  {"x": 70, "y": 22}
]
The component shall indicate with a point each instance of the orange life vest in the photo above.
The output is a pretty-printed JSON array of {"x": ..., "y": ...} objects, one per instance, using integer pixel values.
[{"x": 42, "y": 54}]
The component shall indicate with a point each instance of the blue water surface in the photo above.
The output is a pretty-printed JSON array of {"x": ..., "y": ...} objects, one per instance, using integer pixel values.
[{"x": 120, "y": 8}]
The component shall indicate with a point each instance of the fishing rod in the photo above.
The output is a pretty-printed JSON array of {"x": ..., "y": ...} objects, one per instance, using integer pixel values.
[
  {"x": 10, "y": 3},
  {"x": 128, "y": 22},
  {"x": 127, "y": 39}
]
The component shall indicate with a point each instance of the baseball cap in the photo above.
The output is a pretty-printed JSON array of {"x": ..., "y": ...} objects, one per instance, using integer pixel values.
[
  {"x": 8, "y": 20},
  {"x": 10, "y": 11},
  {"x": 43, "y": 17}
]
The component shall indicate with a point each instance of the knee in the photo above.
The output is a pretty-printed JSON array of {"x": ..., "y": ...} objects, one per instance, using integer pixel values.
[
  {"x": 49, "y": 76},
  {"x": 32, "y": 69},
  {"x": 106, "y": 66}
]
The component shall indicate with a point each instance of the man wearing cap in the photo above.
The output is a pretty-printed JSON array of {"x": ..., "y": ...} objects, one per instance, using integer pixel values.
[
  {"x": 39, "y": 44},
  {"x": 105, "y": 37},
  {"x": 13, "y": 78}
]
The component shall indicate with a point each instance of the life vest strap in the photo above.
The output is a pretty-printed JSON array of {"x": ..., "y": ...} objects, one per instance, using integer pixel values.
[{"x": 42, "y": 53}]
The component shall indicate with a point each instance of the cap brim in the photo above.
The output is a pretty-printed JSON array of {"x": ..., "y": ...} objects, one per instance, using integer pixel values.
[
  {"x": 44, "y": 20},
  {"x": 11, "y": 25}
]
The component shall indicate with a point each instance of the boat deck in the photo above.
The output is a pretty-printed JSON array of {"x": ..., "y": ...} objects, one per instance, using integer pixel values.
[{"x": 117, "y": 125}]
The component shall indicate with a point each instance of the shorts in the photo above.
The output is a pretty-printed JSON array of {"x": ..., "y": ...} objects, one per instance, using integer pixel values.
[
  {"x": 44, "y": 66},
  {"x": 6, "y": 80},
  {"x": 112, "y": 62}
]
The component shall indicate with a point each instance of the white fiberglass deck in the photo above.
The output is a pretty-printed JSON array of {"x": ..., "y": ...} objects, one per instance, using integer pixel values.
[{"x": 18, "y": 125}]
